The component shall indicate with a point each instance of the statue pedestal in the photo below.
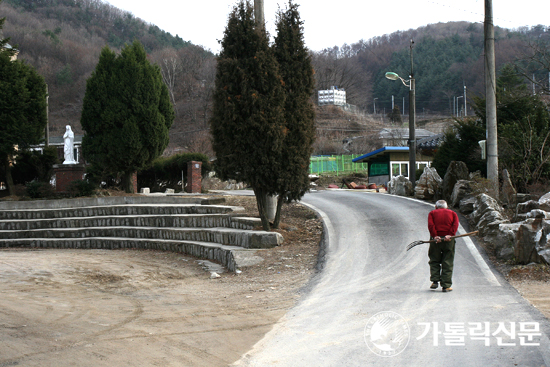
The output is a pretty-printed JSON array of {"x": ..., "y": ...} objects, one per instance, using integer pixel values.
[
  {"x": 67, "y": 173},
  {"x": 194, "y": 177}
]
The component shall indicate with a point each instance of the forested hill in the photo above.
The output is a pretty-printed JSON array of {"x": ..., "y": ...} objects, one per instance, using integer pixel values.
[
  {"x": 446, "y": 57},
  {"x": 62, "y": 39}
]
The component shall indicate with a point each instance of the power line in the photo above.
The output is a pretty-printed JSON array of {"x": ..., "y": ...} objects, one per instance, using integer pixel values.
[{"x": 454, "y": 8}]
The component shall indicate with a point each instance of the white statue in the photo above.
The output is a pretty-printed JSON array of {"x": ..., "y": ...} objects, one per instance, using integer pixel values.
[{"x": 68, "y": 148}]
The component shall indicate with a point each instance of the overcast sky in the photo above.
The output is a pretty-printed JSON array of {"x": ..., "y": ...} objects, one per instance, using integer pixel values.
[{"x": 335, "y": 22}]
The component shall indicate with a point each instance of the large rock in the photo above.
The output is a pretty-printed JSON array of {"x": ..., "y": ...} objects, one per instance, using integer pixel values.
[
  {"x": 428, "y": 184},
  {"x": 400, "y": 185},
  {"x": 487, "y": 216},
  {"x": 523, "y": 208},
  {"x": 544, "y": 202},
  {"x": 456, "y": 171},
  {"x": 483, "y": 204},
  {"x": 533, "y": 242},
  {"x": 462, "y": 189},
  {"x": 466, "y": 205},
  {"x": 504, "y": 244}
]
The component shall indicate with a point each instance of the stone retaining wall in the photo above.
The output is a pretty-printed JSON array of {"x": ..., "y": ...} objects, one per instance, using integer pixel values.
[
  {"x": 109, "y": 200},
  {"x": 215, "y": 252},
  {"x": 139, "y": 209}
]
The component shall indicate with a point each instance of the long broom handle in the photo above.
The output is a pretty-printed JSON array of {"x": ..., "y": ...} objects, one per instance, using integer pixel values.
[{"x": 464, "y": 235}]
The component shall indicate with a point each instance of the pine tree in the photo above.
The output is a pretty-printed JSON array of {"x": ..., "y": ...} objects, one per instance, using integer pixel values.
[
  {"x": 4, "y": 41},
  {"x": 248, "y": 122},
  {"x": 299, "y": 130},
  {"x": 22, "y": 110},
  {"x": 126, "y": 113}
]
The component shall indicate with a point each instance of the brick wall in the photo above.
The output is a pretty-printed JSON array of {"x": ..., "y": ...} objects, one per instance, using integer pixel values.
[
  {"x": 134, "y": 182},
  {"x": 194, "y": 177}
]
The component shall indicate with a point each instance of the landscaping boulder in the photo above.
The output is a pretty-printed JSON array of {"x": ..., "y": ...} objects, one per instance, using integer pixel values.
[
  {"x": 456, "y": 171},
  {"x": 504, "y": 244},
  {"x": 533, "y": 242},
  {"x": 482, "y": 204},
  {"x": 487, "y": 216},
  {"x": 537, "y": 214},
  {"x": 544, "y": 202},
  {"x": 466, "y": 205},
  {"x": 462, "y": 189},
  {"x": 428, "y": 184},
  {"x": 523, "y": 208},
  {"x": 400, "y": 185}
]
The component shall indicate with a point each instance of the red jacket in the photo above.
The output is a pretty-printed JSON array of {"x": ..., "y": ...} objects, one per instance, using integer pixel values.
[{"x": 442, "y": 222}]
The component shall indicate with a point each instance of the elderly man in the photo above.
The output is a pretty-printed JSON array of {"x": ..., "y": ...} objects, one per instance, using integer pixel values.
[{"x": 442, "y": 224}]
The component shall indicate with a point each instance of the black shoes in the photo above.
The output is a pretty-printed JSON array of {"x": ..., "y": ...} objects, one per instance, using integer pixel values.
[
  {"x": 434, "y": 285},
  {"x": 447, "y": 289}
]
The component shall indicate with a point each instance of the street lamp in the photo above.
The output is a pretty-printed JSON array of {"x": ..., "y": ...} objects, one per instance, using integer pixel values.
[{"x": 412, "y": 116}]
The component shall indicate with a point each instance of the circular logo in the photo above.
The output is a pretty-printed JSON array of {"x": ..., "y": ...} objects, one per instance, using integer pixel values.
[{"x": 387, "y": 334}]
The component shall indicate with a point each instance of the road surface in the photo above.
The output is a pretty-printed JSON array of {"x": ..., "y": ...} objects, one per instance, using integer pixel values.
[{"x": 371, "y": 304}]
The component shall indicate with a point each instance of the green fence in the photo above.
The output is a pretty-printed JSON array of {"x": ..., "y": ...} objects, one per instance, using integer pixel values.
[{"x": 337, "y": 164}]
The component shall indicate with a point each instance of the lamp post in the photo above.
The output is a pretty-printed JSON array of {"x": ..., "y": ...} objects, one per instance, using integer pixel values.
[{"x": 412, "y": 116}]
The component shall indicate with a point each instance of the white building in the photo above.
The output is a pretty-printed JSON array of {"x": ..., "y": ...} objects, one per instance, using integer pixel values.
[{"x": 333, "y": 96}]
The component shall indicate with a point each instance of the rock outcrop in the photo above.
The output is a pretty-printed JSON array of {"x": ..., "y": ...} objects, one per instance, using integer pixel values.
[
  {"x": 456, "y": 171},
  {"x": 400, "y": 185},
  {"x": 428, "y": 185}
]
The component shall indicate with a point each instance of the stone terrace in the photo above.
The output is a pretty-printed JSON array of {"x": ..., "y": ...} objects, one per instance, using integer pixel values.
[{"x": 196, "y": 226}]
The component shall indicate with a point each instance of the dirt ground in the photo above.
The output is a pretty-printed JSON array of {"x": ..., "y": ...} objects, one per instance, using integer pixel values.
[{"x": 148, "y": 308}]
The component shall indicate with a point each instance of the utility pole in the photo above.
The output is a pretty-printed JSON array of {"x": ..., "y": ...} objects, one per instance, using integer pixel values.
[
  {"x": 465, "y": 105},
  {"x": 491, "y": 98},
  {"x": 47, "y": 131},
  {"x": 259, "y": 13},
  {"x": 412, "y": 123}
]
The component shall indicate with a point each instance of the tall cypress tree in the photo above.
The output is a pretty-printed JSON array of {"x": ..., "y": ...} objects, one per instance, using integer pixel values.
[
  {"x": 126, "y": 113},
  {"x": 22, "y": 109},
  {"x": 247, "y": 124},
  {"x": 299, "y": 128}
]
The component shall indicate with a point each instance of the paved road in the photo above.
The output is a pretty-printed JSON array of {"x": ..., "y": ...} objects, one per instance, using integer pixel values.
[{"x": 371, "y": 304}]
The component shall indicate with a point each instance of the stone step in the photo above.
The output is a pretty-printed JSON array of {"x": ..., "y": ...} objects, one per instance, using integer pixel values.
[
  {"x": 225, "y": 236},
  {"x": 110, "y": 200},
  {"x": 111, "y": 210},
  {"x": 231, "y": 257},
  {"x": 176, "y": 220}
]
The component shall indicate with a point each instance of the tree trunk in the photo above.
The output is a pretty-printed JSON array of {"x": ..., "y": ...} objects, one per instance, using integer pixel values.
[
  {"x": 9, "y": 178},
  {"x": 277, "y": 219},
  {"x": 127, "y": 184},
  {"x": 261, "y": 201}
]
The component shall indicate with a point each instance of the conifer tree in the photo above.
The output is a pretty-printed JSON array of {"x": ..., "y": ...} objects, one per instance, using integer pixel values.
[
  {"x": 247, "y": 121},
  {"x": 299, "y": 129},
  {"x": 22, "y": 110},
  {"x": 126, "y": 113}
]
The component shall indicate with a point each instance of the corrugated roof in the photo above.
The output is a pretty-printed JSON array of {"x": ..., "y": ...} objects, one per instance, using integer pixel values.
[{"x": 368, "y": 156}]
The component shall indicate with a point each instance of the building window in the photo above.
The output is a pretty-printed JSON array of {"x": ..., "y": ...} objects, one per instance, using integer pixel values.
[{"x": 402, "y": 168}]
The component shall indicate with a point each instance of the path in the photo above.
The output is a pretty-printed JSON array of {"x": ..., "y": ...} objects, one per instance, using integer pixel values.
[{"x": 367, "y": 272}]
